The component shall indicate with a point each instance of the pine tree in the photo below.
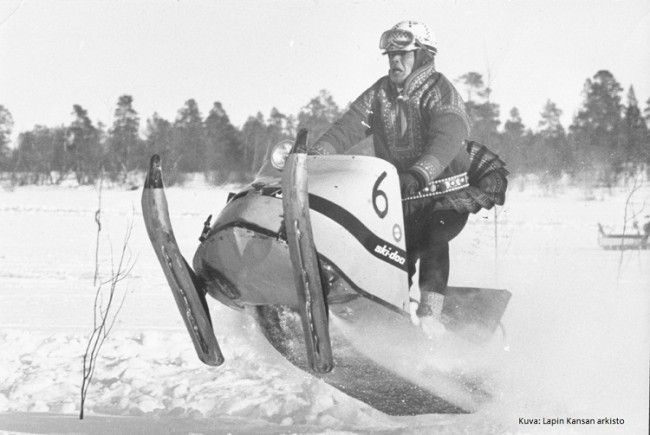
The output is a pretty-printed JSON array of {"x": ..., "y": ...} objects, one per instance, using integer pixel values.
[
  {"x": 255, "y": 142},
  {"x": 511, "y": 149},
  {"x": 38, "y": 155},
  {"x": 190, "y": 137},
  {"x": 483, "y": 114},
  {"x": 58, "y": 153},
  {"x": 277, "y": 127},
  {"x": 514, "y": 126},
  {"x": 485, "y": 122},
  {"x": 125, "y": 147},
  {"x": 160, "y": 139},
  {"x": 473, "y": 83},
  {"x": 291, "y": 126},
  {"x": 83, "y": 147},
  {"x": 317, "y": 115},
  {"x": 553, "y": 151},
  {"x": 597, "y": 126},
  {"x": 225, "y": 150},
  {"x": 646, "y": 112},
  {"x": 24, "y": 157},
  {"x": 635, "y": 135},
  {"x": 6, "y": 126}
]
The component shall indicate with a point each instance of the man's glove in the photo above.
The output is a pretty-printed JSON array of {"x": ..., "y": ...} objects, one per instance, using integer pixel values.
[{"x": 409, "y": 184}]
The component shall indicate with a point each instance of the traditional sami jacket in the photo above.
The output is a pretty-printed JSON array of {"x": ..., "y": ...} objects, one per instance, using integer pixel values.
[{"x": 420, "y": 129}]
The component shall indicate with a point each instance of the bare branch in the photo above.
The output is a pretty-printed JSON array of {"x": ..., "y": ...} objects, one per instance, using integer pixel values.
[
  {"x": 105, "y": 313},
  {"x": 98, "y": 221},
  {"x": 635, "y": 187}
]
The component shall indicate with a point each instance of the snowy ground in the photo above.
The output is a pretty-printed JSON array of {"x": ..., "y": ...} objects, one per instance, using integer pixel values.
[{"x": 577, "y": 326}]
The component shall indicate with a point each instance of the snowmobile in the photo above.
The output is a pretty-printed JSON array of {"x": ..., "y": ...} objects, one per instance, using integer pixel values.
[
  {"x": 314, "y": 250},
  {"x": 612, "y": 241}
]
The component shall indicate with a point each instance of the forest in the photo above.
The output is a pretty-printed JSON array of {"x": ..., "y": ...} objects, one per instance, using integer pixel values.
[{"x": 607, "y": 141}]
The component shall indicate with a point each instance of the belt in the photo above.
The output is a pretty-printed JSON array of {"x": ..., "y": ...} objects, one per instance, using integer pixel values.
[{"x": 441, "y": 187}]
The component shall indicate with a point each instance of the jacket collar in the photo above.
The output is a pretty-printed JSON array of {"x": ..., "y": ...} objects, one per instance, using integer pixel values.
[{"x": 421, "y": 72}]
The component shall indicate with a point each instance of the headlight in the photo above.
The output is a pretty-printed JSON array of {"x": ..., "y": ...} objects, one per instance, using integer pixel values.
[{"x": 280, "y": 152}]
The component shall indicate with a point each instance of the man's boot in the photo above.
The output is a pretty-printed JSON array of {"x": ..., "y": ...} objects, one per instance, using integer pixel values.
[
  {"x": 434, "y": 274},
  {"x": 429, "y": 314},
  {"x": 430, "y": 304}
]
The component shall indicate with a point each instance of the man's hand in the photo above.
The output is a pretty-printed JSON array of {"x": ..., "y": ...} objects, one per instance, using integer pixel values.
[{"x": 409, "y": 184}]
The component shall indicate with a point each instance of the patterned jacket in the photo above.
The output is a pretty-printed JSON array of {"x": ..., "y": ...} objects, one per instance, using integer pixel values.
[{"x": 420, "y": 130}]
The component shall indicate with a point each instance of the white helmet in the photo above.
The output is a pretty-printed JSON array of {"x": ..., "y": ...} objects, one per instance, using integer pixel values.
[{"x": 407, "y": 36}]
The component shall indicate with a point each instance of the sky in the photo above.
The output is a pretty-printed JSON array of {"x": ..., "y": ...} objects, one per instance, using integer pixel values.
[{"x": 255, "y": 55}]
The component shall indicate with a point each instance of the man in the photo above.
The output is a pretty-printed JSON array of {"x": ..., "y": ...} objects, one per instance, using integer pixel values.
[{"x": 418, "y": 123}]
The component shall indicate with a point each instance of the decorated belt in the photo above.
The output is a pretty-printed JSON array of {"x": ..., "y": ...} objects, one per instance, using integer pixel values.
[{"x": 441, "y": 187}]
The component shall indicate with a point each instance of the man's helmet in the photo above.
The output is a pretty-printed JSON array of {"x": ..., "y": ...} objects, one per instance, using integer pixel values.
[{"x": 407, "y": 36}]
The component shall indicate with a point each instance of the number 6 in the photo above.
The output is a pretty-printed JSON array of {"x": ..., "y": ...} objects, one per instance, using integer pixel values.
[{"x": 377, "y": 193}]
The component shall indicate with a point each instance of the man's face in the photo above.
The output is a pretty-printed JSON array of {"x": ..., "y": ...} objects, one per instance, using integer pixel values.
[{"x": 400, "y": 65}]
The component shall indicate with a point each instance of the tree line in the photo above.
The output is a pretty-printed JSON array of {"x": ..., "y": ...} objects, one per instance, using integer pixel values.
[{"x": 608, "y": 138}]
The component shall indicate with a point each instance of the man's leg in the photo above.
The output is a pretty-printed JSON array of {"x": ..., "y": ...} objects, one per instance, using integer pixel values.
[
  {"x": 413, "y": 220},
  {"x": 434, "y": 274},
  {"x": 442, "y": 226}
]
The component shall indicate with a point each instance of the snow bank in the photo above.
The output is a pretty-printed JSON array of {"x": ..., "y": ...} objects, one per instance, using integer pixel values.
[{"x": 156, "y": 373}]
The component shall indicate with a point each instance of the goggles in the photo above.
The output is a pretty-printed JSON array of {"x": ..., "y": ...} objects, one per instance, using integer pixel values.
[{"x": 397, "y": 40}]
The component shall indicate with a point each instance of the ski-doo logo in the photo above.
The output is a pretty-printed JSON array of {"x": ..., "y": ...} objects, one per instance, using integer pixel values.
[{"x": 390, "y": 254}]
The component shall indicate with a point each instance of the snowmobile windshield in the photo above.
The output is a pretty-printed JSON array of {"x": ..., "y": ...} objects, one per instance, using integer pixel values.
[{"x": 397, "y": 40}]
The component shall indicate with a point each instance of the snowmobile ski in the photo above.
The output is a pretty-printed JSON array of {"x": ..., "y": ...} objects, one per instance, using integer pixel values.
[
  {"x": 190, "y": 297},
  {"x": 306, "y": 270}
]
